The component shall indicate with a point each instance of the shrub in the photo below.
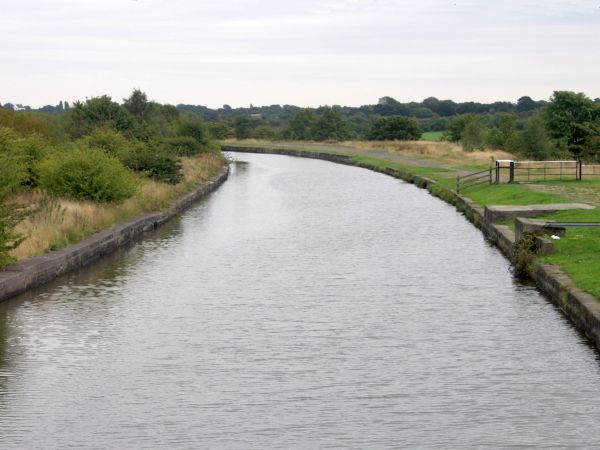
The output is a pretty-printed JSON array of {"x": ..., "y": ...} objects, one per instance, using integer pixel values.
[
  {"x": 193, "y": 128},
  {"x": 395, "y": 128},
  {"x": 10, "y": 216},
  {"x": 524, "y": 254},
  {"x": 153, "y": 162},
  {"x": 182, "y": 146},
  {"x": 220, "y": 130},
  {"x": 87, "y": 174},
  {"x": 109, "y": 141}
]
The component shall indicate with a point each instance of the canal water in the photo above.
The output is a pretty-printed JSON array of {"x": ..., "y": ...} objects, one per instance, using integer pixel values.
[{"x": 302, "y": 305}]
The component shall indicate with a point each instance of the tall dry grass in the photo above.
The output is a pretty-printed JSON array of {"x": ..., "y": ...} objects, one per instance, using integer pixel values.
[
  {"x": 437, "y": 151},
  {"x": 440, "y": 151},
  {"x": 55, "y": 222}
]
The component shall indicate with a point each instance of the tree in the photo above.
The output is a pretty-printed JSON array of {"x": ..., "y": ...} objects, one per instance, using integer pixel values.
[
  {"x": 95, "y": 113},
  {"x": 533, "y": 141},
  {"x": 474, "y": 135},
  {"x": 457, "y": 125},
  {"x": 572, "y": 118},
  {"x": 219, "y": 130},
  {"x": 302, "y": 124},
  {"x": 137, "y": 104},
  {"x": 192, "y": 127},
  {"x": 331, "y": 126},
  {"x": 241, "y": 125},
  {"x": 505, "y": 136},
  {"x": 395, "y": 128},
  {"x": 525, "y": 104}
]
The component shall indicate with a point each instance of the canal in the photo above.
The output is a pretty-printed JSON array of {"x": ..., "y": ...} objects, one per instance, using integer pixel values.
[{"x": 303, "y": 305}]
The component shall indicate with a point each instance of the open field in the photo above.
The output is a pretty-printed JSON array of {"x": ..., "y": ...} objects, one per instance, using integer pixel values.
[
  {"x": 57, "y": 222},
  {"x": 432, "y": 136}
]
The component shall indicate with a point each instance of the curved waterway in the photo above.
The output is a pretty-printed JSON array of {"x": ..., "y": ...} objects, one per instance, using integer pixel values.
[{"x": 302, "y": 305}]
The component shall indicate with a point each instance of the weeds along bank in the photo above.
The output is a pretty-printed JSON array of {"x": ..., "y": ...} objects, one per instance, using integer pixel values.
[{"x": 64, "y": 177}]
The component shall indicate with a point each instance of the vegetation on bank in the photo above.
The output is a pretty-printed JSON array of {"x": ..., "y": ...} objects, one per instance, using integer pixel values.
[{"x": 65, "y": 176}]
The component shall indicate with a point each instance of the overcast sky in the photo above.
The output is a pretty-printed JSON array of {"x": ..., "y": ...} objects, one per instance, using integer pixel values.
[{"x": 303, "y": 52}]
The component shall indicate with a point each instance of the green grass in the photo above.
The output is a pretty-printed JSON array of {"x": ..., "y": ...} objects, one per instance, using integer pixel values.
[
  {"x": 577, "y": 253},
  {"x": 432, "y": 136},
  {"x": 510, "y": 194}
]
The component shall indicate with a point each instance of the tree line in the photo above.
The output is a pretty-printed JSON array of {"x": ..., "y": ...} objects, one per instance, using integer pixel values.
[{"x": 564, "y": 126}]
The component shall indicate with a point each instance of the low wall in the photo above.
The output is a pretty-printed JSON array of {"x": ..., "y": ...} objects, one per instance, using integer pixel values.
[
  {"x": 15, "y": 280},
  {"x": 582, "y": 309}
]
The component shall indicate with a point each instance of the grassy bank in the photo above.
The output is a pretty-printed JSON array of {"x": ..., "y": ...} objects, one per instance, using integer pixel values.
[
  {"x": 578, "y": 253},
  {"x": 56, "y": 222}
]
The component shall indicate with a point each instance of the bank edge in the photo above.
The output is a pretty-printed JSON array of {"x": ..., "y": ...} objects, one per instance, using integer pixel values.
[
  {"x": 581, "y": 308},
  {"x": 34, "y": 272}
]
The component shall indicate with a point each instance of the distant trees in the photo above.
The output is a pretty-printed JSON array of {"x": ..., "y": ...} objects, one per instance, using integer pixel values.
[
  {"x": 301, "y": 125},
  {"x": 330, "y": 125},
  {"x": 241, "y": 126},
  {"x": 395, "y": 128},
  {"x": 533, "y": 141}
]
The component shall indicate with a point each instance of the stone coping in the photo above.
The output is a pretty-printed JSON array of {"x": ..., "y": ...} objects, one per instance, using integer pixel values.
[{"x": 499, "y": 213}]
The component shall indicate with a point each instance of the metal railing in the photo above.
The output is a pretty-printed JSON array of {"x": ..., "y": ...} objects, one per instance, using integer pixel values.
[
  {"x": 571, "y": 224},
  {"x": 473, "y": 179}
]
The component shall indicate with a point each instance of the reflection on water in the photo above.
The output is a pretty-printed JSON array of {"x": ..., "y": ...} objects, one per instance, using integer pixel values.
[{"x": 303, "y": 305}]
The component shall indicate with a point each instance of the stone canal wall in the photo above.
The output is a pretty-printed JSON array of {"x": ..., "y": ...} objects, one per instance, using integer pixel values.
[
  {"x": 36, "y": 271},
  {"x": 582, "y": 309}
]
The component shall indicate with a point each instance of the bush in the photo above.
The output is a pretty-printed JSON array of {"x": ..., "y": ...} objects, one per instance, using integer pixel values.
[
  {"x": 182, "y": 146},
  {"x": 395, "y": 128},
  {"x": 109, "y": 141},
  {"x": 524, "y": 250},
  {"x": 193, "y": 128},
  {"x": 10, "y": 216},
  {"x": 155, "y": 163},
  {"x": 87, "y": 174},
  {"x": 220, "y": 130}
]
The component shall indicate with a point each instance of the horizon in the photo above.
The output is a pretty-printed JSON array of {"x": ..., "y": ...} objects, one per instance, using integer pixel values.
[
  {"x": 307, "y": 53},
  {"x": 71, "y": 102}
]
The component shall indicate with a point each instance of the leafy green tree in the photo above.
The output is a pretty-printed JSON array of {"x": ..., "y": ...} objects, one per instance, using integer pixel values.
[
  {"x": 220, "y": 130},
  {"x": 242, "y": 127},
  {"x": 525, "y": 104},
  {"x": 98, "y": 112},
  {"x": 301, "y": 125},
  {"x": 456, "y": 126},
  {"x": 505, "y": 135},
  {"x": 137, "y": 104},
  {"x": 192, "y": 127},
  {"x": 474, "y": 135},
  {"x": 572, "y": 118},
  {"x": 395, "y": 128},
  {"x": 533, "y": 141},
  {"x": 331, "y": 125}
]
